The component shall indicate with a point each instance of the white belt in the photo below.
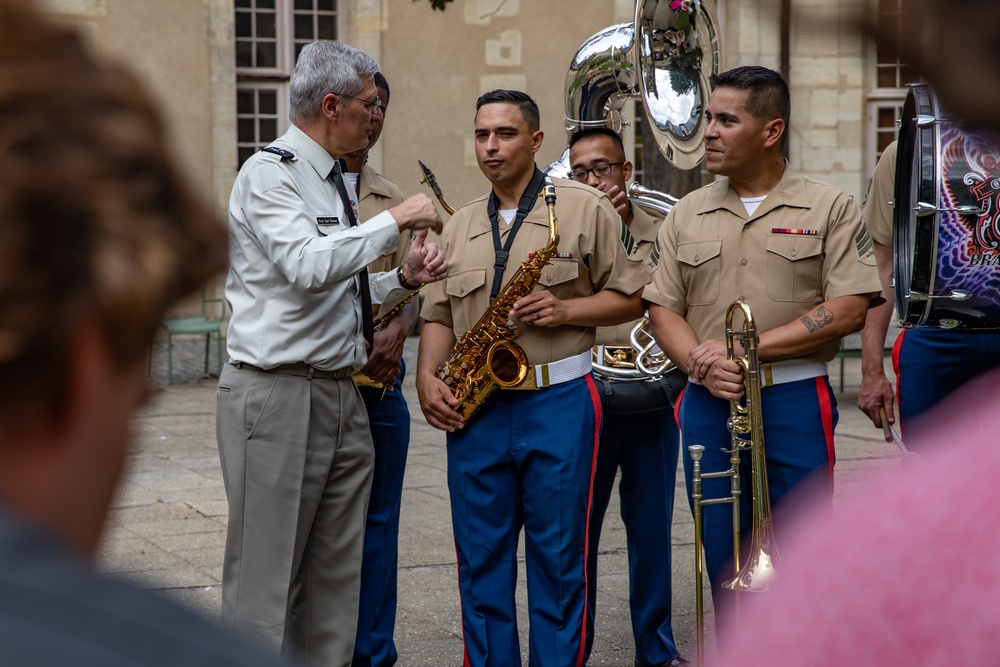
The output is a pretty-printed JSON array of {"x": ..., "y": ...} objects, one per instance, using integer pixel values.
[
  {"x": 782, "y": 372},
  {"x": 557, "y": 372}
]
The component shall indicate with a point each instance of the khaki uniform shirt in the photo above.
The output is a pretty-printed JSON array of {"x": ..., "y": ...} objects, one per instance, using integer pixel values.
[
  {"x": 712, "y": 254},
  {"x": 877, "y": 206},
  {"x": 644, "y": 228},
  {"x": 590, "y": 238},
  {"x": 377, "y": 194}
]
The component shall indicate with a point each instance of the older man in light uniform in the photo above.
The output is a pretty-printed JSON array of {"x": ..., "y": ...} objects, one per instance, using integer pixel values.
[
  {"x": 293, "y": 433},
  {"x": 797, "y": 252}
]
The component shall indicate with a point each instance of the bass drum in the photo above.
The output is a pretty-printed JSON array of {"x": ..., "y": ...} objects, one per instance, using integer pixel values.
[{"x": 946, "y": 222}]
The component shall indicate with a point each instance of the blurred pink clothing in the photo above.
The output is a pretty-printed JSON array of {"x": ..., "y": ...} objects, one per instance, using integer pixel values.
[{"x": 904, "y": 571}]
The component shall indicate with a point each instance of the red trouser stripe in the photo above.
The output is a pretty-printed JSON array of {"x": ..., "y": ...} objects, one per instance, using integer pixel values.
[
  {"x": 826, "y": 414},
  {"x": 595, "y": 399}
]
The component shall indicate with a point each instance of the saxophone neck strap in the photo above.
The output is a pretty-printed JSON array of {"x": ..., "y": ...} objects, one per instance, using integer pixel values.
[{"x": 502, "y": 250}]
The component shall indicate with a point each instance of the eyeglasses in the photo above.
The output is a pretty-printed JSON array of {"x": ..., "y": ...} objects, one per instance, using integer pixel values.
[
  {"x": 370, "y": 107},
  {"x": 599, "y": 170}
]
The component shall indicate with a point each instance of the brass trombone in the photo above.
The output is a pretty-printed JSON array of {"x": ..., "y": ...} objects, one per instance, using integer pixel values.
[{"x": 746, "y": 426}]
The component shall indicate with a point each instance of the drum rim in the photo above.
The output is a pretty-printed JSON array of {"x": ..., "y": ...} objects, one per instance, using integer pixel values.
[{"x": 915, "y": 237}]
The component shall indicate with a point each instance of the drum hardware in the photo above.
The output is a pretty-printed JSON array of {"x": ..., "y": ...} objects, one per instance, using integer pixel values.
[
  {"x": 746, "y": 425},
  {"x": 945, "y": 225},
  {"x": 924, "y": 209},
  {"x": 956, "y": 295}
]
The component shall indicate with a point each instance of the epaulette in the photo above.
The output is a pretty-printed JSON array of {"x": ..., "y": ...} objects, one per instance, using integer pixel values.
[{"x": 281, "y": 152}]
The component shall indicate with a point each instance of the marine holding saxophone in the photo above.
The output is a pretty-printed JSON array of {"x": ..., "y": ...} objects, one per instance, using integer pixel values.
[
  {"x": 525, "y": 458},
  {"x": 797, "y": 253}
]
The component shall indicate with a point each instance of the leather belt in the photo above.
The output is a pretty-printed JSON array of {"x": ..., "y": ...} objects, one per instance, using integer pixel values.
[{"x": 300, "y": 370}]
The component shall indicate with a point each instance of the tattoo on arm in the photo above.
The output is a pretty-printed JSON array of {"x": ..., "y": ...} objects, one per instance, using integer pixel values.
[{"x": 817, "y": 319}]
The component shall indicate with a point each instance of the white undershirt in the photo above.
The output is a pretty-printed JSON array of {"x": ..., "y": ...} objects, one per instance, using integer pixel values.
[
  {"x": 507, "y": 214},
  {"x": 751, "y": 203},
  {"x": 352, "y": 179}
]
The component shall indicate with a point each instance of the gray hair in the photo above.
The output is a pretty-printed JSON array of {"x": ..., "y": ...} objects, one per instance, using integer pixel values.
[{"x": 326, "y": 67}]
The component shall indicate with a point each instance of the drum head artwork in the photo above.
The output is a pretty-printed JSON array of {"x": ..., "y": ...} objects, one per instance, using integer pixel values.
[{"x": 946, "y": 223}]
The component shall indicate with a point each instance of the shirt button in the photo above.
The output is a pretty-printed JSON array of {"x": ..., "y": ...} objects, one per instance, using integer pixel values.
[
  {"x": 743, "y": 261},
  {"x": 696, "y": 258},
  {"x": 794, "y": 253}
]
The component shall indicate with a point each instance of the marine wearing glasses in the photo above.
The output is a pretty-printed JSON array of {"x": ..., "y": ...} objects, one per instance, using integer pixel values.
[{"x": 598, "y": 170}]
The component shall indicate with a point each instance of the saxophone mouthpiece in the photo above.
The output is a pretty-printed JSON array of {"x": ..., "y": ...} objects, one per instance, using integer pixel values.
[
  {"x": 432, "y": 183},
  {"x": 550, "y": 192},
  {"x": 429, "y": 179}
]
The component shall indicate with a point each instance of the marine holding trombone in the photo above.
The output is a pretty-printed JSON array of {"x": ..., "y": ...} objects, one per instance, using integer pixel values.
[{"x": 796, "y": 251}]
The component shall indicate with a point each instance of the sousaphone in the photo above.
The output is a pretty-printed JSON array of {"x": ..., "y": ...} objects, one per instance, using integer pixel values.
[{"x": 663, "y": 58}]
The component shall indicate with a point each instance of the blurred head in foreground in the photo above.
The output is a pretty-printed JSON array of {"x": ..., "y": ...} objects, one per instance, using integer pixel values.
[
  {"x": 98, "y": 237},
  {"x": 955, "y": 47}
]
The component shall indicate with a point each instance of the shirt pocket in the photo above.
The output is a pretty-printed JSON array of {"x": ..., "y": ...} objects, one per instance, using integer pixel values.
[
  {"x": 468, "y": 297},
  {"x": 701, "y": 270},
  {"x": 559, "y": 277},
  {"x": 794, "y": 267}
]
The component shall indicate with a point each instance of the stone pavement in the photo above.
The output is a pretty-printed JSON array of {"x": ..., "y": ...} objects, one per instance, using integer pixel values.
[{"x": 167, "y": 528}]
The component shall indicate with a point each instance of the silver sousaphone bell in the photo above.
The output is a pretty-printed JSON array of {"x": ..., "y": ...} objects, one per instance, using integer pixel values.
[{"x": 663, "y": 58}]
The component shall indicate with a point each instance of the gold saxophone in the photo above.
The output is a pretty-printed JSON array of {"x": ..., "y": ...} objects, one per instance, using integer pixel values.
[
  {"x": 486, "y": 357},
  {"x": 362, "y": 380}
]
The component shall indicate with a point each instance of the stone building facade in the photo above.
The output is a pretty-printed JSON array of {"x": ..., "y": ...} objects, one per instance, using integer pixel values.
[{"x": 220, "y": 70}]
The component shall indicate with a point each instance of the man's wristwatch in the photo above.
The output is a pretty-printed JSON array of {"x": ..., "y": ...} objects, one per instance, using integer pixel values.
[{"x": 401, "y": 275}]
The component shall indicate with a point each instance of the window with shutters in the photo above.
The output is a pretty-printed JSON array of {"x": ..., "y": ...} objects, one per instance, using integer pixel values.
[{"x": 269, "y": 36}]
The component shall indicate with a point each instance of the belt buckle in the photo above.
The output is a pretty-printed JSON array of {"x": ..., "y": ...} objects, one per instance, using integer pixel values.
[{"x": 619, "y": 357}]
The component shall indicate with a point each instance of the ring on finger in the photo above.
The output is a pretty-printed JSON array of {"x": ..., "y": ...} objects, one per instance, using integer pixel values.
[{"x": 538, "y": 314}]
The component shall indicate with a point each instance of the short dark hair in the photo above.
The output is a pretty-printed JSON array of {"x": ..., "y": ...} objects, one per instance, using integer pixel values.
[
  {"x": 97, "y": 226},
  {"x": 598, "y": 132},
  {"x": 523, "y": 101},
  {"x": 382, "y": 85},
  {"x": 768, "y": 98}
]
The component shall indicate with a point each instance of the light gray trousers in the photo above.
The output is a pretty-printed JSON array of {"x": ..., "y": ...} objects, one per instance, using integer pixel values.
[{"x": 297, "y": 463}]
